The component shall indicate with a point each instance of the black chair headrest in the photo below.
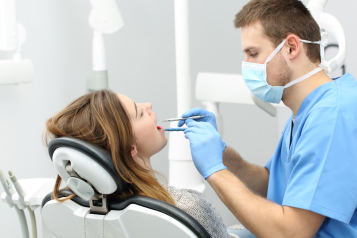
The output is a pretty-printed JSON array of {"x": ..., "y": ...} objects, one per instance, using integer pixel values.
[{"x": 98, "y": 154}]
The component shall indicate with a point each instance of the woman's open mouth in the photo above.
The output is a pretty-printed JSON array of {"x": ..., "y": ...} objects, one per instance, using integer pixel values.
[{"x": 160, "y": 128}]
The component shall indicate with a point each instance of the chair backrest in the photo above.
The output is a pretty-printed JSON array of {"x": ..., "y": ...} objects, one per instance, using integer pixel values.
[{"x": 136, "y": 216}]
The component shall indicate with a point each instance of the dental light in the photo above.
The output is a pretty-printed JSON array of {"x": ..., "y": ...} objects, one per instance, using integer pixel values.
[
  {"x": 104, "y": 18},
  {"x": 12, "y": 37}
]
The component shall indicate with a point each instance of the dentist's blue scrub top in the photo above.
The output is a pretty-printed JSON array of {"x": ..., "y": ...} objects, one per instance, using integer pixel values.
[{"x": 319, "y": 170}]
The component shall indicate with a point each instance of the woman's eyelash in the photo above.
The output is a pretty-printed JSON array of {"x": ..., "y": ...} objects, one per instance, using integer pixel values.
[{"x": 142, "y": 112}]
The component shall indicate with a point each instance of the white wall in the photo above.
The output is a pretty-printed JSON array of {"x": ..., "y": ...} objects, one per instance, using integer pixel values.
[{"x": 141, "y": 61}]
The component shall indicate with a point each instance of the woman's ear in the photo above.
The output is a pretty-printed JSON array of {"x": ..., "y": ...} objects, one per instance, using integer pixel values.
[{"x": 133, "y": 151}]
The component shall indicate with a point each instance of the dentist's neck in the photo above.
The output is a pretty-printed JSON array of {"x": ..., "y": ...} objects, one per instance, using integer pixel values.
[{"x": 295, "y": 95}]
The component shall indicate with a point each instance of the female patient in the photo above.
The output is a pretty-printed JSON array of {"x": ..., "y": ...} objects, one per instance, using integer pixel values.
[{"x": 128, "y": 131}]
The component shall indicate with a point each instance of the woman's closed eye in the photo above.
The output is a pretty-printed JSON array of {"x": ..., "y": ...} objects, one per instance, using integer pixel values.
[{"x": 142, "y": 112}]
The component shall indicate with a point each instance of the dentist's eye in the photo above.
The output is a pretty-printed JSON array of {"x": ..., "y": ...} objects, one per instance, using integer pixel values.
[{"x": 253, "y": 55}]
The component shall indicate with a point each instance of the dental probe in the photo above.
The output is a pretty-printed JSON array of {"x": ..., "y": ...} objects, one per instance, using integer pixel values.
[
  {"x": 182, "y": 119},
  {"x": 9, "y": 189},
  {"x": 22, "y": 195},
  {"x": 175, "y": 129}
]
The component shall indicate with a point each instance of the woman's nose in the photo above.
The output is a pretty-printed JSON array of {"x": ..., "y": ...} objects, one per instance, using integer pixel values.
[{"x": 148, "y": 107}]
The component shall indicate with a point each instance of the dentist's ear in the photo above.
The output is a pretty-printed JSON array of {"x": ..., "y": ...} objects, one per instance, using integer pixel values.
[
  {"x": 294, "y": 46},
  {"x": 133, "y": 151}
]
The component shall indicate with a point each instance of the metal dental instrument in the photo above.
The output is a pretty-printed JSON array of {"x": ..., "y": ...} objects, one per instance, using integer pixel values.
[
  {"x": 182, "y": 119},
  {"x": 176, "y": 129}
]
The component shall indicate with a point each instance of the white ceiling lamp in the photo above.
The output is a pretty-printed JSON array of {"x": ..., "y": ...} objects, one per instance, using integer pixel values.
[{"x": 12, "y": 37}]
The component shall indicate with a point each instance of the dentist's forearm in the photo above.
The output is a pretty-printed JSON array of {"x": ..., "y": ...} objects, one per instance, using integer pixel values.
[
  {"x": 256, "y": 178},
  {"x": 262, "y": 217}
]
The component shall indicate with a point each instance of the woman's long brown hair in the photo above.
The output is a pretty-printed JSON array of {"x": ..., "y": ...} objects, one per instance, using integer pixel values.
[{"x": 100, "y": 118}]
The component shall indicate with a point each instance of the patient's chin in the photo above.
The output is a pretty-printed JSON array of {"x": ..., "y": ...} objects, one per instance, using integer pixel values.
[
  {"x": 165, "y": 142},
  {"x": 162, "y": 144}
]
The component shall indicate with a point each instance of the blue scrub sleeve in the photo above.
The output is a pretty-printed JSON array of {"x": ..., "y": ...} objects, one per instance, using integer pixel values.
[
  {"x": 323, "y": 176},
  {"x": 268, "y": 164}
]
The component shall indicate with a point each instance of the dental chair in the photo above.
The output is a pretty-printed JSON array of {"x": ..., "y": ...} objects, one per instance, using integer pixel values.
[{"x": 89, "y": 172}]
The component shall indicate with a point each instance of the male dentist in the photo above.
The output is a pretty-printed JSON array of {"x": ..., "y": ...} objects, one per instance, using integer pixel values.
[{"x": 308, "y": 188}]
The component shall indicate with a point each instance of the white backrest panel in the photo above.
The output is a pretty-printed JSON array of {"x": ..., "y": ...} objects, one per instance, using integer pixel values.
[
  {"x": 66, "y": 220},
  {"x": 138, "y": 222},
  {"x": 59, "y": 219}
]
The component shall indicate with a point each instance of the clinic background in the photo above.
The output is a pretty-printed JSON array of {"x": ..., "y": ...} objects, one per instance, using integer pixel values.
[{"x": 141, "y": 65}]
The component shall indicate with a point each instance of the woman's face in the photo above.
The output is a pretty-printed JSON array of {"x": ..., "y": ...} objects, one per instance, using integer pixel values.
[{"x": 150, "y": 138}]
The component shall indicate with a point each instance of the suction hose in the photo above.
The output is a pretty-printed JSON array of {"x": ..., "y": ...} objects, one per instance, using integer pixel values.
[
  {"x": 22, "y": 194},
  {"x": 20, "y": 213}
]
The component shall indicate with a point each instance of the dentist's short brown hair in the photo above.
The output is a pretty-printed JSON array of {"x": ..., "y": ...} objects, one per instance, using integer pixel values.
[{"x": 280, "y": 18}]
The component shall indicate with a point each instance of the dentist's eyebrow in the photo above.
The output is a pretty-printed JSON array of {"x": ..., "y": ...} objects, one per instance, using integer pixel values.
[
  {"x": 136, "y": 110},
  {"x": 249, "y": 49}
]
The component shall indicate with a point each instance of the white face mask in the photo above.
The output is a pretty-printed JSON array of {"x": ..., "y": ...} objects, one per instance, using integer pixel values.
[{"x": 255, "y": 75}]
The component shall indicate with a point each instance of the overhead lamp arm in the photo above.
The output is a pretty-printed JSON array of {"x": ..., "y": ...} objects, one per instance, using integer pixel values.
[
  {"x": 104, "y": 18},
  {"x": 329, "y": 23}
]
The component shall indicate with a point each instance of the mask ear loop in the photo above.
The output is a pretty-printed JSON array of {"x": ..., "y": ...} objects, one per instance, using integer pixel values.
[
  {"x": 318, "y": 69},
  {"x": 323, "y": 43},
  {"x": 277, "y": 49},
  {"x": 323, "y": 66}
]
